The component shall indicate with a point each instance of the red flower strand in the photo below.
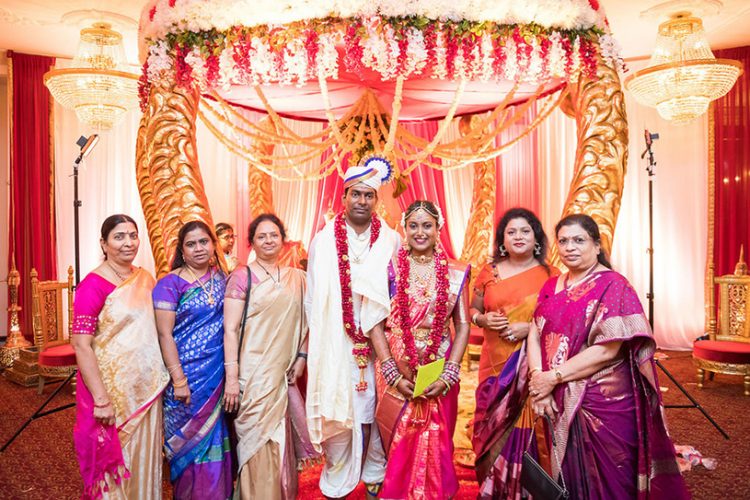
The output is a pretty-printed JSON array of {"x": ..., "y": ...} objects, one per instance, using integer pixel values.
[
  {"x": 361, "y": 349},
  {"x": 403, "y": 303}
]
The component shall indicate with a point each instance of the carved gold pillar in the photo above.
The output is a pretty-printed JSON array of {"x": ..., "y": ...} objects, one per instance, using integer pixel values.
[
  {"x": 169, "y": 179},
  {"x": 478, "y": 236},
  {"x": 259, "y": 183},
  {"x": 598, "y": 106}
]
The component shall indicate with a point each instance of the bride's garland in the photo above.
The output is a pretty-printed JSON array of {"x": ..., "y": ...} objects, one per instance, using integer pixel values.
[
  {"x": 441, "y": 308},
  {"x": 361, "y": 349}
]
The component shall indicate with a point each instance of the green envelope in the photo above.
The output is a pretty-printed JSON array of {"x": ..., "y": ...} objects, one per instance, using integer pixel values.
[{"x": 427, "y": 374}]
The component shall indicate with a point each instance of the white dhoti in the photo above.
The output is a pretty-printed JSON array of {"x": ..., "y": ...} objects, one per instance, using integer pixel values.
[{"x": 344, "y": 465}]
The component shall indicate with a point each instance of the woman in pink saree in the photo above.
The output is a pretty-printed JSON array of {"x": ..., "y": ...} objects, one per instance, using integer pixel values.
[
  {"x": 429, "y": 293},
  {"x": 591, "y": 368},
  {"x": 118, "y": 428}
]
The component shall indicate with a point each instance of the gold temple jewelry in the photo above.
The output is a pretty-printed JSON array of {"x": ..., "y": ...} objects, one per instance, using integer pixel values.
[
  {"x": 208, "y": 291},
  {"x": 422, "y": 259}
]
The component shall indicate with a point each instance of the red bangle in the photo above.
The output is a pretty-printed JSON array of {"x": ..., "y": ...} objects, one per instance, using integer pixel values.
[{"x": 103, "y": 405}]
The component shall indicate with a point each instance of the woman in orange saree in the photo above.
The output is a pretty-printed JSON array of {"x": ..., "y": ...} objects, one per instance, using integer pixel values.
[{"x": 505, "y": 295}]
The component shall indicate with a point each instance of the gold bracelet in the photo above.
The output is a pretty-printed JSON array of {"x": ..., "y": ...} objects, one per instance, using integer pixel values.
[
  {"x": 532, "y": 371},
  {"x": 181, "y": 383}
]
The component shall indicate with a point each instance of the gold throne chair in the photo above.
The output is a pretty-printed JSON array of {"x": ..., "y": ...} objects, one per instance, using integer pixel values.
[
  {"x": 728, "y": 351},
  {"x": 57, "y": 359}
]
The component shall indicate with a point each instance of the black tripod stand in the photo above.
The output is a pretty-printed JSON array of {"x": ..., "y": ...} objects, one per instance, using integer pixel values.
[
  {"x": 86, "y": 145},
  {"x": 650, "y": 295}
]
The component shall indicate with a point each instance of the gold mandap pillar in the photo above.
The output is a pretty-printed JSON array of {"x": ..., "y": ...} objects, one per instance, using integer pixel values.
[
  {"x": 167, "y": 172},
  {"x": 598, "y": 106}
]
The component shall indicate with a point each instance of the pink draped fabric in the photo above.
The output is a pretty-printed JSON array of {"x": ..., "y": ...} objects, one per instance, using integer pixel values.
[
  {"x": 426, "y": 183},
  {"x": 330, "y": 190},
  {"x": 517, "y": 173}
]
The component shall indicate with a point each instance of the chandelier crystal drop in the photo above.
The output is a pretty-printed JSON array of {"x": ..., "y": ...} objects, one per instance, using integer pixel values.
[
  {"x": 683, "y": 76},
  {"x": 97, "y": 86}
]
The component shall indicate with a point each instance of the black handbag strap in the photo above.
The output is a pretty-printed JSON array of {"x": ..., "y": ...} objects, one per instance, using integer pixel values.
[
  {"x": 244, "y": 314},
  {"x": 554, "y": 444}
]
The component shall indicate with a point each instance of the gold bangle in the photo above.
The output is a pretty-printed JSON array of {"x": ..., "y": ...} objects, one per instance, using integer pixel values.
[
  {"x": 181, "y": 383},
  {"x": 532, "y": 371}
]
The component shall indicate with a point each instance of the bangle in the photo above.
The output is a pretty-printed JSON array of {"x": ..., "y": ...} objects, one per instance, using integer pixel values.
[
  {"x": 181, "y": 383},
  {"x": 102, "y": 405},
  {"x": 474, "y": 318},
  {"x": 558, "y": 376},
  {"x": 230, "y": 363},
  {"x": 172, "y": 368},
  {"x": 302, "y": 355},
  {"x": 389, "y": 370},
  {"x": 532, "y": 371},
  {"x": 447, "y": 384}
]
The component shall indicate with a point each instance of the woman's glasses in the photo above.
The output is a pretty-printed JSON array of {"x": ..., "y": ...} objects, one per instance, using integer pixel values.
[{"x": 576, "y": 241}]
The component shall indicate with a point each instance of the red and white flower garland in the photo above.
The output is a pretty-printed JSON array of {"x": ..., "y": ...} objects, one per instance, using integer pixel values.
[
  {"x": 361, "y": 349},
  {"x": 303, "y": 51},
  {"x": 403, "y": 302}
]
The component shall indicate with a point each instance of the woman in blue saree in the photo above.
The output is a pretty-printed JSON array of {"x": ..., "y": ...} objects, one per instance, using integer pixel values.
[{"x": 189, "y": 317}]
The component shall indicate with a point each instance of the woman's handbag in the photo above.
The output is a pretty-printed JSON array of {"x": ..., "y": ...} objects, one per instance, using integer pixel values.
[{"x": 535, "y": 479}]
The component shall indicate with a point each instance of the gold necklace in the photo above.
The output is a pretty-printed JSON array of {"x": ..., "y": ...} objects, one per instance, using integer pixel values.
[
  {"x": 209, "y": 293},
  {"x": 356, "y": 258},
  {"x": 422, "y": 259},
  {"x": 122, "y": 278}
]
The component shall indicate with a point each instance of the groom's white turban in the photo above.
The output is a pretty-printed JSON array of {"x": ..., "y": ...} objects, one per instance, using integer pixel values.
[{"x": 372, "y": 172}]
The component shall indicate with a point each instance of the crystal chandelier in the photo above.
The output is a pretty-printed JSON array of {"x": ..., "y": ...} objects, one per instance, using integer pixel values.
[
  {"x": 683, "y": 76},
  {"x": 97, "y": 86}
]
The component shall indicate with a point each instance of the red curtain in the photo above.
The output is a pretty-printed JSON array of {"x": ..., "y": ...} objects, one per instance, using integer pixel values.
[
  {"x": 32, "y": 220},
  {"x": 732, "y": 168}
]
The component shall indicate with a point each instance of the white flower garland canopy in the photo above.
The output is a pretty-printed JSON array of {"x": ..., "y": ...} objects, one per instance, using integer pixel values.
[{"x": 361, "y": 66}]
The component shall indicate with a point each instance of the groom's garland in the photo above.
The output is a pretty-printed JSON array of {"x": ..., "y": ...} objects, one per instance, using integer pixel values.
[{"x": 361, "y": 349}]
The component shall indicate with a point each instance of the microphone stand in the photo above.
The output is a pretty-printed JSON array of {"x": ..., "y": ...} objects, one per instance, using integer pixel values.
[
  {"x": 650, "y": 294},
  {"x": 76, "y": 228}
]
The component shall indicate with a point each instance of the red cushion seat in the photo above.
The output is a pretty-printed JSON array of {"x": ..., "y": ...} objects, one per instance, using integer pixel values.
[
  {"x": 59, "y": 355},
  {"x": 722, "y": 351}
]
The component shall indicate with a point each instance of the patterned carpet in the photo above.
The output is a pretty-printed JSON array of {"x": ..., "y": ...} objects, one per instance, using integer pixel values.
[{"x": 41, "y": 464}]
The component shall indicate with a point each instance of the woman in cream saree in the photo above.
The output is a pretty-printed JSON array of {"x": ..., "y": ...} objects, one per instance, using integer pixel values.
[{"x": 270, "y": 422}]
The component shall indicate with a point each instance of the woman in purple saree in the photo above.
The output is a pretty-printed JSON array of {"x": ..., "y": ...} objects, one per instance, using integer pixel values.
[
  {"x": 188, "y": 305},
  {"x": 591, "y": 368}
]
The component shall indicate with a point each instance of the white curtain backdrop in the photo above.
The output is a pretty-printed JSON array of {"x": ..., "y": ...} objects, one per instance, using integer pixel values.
[{"x": 107, "y": 185}]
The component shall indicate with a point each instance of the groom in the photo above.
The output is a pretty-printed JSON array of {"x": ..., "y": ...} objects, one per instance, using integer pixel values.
[{"x": 347, "y": 294}]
